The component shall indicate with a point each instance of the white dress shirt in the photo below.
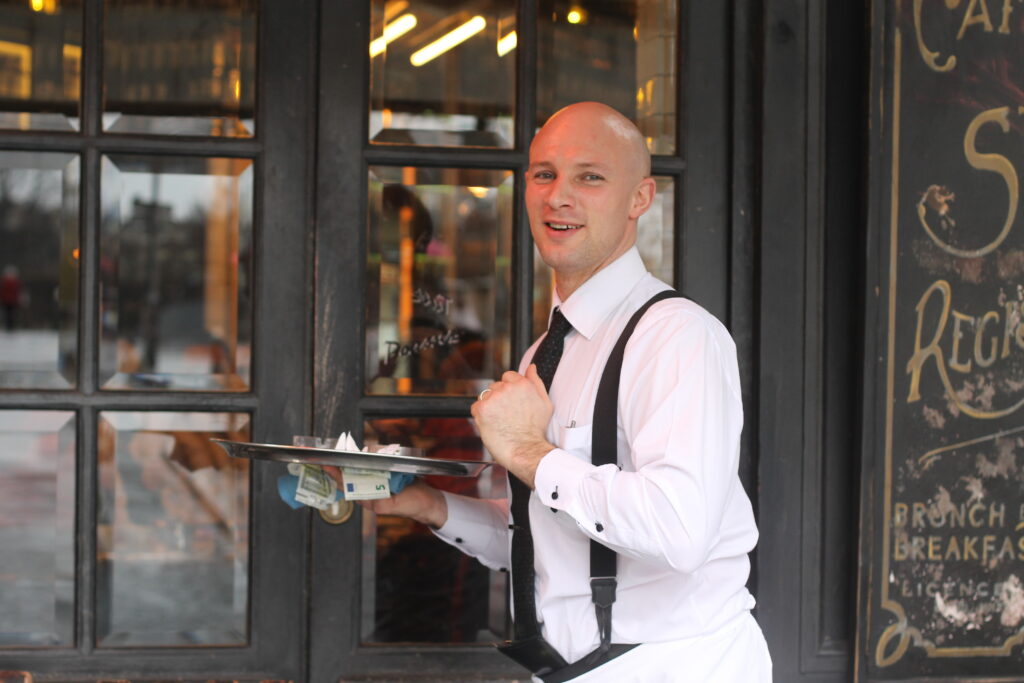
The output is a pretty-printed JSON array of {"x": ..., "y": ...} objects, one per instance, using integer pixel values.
[{"x": 676, "y": 512}]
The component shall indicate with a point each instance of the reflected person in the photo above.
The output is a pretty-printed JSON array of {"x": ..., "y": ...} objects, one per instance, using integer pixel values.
[{"x": 673, "y": 508}]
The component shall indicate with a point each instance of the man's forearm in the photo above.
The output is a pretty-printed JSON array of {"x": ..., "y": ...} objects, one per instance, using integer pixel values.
[{"x": 526, "y": 459}]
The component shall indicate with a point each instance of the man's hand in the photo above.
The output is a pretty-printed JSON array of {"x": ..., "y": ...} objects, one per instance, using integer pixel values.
[
  {"x": 418, "y": 501},
  {"x": 512, "y": 417}
]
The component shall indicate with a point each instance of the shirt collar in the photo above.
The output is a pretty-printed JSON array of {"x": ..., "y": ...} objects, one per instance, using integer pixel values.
[{"x": 595, "y": 299}]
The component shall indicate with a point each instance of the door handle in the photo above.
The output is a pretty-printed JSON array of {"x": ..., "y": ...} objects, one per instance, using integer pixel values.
[{"x": 338, "y": 512}]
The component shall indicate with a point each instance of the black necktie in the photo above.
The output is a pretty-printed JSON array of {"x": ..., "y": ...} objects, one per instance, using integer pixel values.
[{"x": 546, "y": 358}]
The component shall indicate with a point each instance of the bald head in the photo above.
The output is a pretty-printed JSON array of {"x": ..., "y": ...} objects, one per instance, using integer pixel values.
[
  {"x": 605, "y": 125},
  {"x": 587, "y": 185}
]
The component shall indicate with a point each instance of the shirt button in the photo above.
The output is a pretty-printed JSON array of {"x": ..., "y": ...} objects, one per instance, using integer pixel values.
[
  {"x": 554, "y": 495},
  {"x": 599, "y": 527},
  {"x": 458, "y": 540}
]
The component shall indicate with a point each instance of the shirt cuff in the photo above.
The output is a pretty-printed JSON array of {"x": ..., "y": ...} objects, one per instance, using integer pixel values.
[
  {"x": 558, "y": 478},
  {"x": 474, "y": 527}
]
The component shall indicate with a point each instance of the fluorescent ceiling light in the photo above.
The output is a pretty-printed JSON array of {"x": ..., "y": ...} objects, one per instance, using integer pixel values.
[
  {"x": 448, "y": 41},
  {"x": 507, "y": 44},
  {"x": 398, "y": 27}
]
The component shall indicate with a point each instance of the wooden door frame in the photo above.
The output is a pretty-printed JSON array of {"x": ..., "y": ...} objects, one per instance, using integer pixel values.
[
  {"x": 713, "y": 256},
  {"x": 278, "y": 402},
  {"x": 812, "y": 133}
]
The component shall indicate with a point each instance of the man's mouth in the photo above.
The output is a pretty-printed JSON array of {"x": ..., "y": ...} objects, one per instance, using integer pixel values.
[{"x": 563, "y": 226}]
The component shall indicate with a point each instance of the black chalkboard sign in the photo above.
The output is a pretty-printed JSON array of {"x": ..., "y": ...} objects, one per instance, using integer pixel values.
[{"x": 942, "y": 584}]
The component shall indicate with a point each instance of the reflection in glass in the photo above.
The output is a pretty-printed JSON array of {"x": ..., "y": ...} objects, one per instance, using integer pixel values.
[
  {"x": 39, "y": 259},
  {"x": 620, "y": 52},
  {"x": 655, "y": 240},
  {"x": 40, "y": 64},
  {"x": 175, "y": 253},
  {"x": 442, "y": 74},
  {"x": 438, "y": 300},
  {"x": 37, "y": 528},
  {"x": 172, "y": 537},
  {"x": 179, "y": 68},
  {"x": 417, "y": 588}
]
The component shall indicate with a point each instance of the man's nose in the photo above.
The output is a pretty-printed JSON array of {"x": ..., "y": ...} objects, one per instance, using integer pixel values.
[{"x": 560, "y": 193}]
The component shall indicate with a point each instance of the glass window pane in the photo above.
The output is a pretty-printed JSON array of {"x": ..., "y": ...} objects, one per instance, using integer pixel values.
[
  {"x": 37, "y": 528},
  {"x": 172, "y": 535},
  {"x": 179, "y": 68},
  {"x": 438, "y": 298},
  {"x": 39, "y": 260},
  {"x": 417, "y": 588},
  {"x": 40, "y": 64},
  {"x": 175, "y": 253},
  {"x": 655, "y": 240},
  {"x": 620, "y": 52},
  {"x": 443, "y": 73}
]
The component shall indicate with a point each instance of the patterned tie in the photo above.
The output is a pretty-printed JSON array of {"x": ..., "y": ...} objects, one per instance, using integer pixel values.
[{"x": 546, "y": 358}]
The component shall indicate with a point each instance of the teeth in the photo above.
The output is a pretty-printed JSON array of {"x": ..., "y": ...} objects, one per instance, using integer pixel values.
[{"x": 564, "y": 226}]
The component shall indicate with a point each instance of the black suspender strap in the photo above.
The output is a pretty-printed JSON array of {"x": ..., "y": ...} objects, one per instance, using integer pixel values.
[
  {"x": 534, "y": 652},
  {"x": 603, "y": 559}
]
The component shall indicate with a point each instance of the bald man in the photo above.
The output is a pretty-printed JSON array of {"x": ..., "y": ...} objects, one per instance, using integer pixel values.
[{"x": 672, "y": 508}]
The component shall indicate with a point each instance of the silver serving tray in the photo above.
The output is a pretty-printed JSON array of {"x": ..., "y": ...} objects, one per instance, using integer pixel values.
[{"x": 408, "y": 460}]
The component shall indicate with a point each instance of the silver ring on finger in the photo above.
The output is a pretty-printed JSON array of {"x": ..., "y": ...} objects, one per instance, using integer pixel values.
[{"x": 483, "y": 394}]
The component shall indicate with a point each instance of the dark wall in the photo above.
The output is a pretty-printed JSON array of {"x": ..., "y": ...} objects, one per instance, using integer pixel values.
[{"x": 811, "y": 129}]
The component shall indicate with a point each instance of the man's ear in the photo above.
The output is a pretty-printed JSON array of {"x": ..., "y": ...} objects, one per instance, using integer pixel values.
[{"x": 643, "y": 197}]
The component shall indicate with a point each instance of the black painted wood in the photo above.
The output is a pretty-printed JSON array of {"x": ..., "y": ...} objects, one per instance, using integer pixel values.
[
  {"x": 810, "y": 319},
  {"x": 702, "y": 247},
  {"x": 781, "y": 350},
  {"x": 743, "y": 270},
  {"x": 843, "y": 253},
  {"x": 341, "y": 183},
  {"x": 279, "y": 402}
]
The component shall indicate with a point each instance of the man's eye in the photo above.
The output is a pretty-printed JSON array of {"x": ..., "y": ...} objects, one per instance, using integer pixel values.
[
  {"x": 593, "y": 177},
  {"x": 543, "y": 175}
]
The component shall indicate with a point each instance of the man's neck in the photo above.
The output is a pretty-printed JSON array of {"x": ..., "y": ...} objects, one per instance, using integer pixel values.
[
  {"x": 568, "y": 282},
  {"x": 566, "y": 285}
]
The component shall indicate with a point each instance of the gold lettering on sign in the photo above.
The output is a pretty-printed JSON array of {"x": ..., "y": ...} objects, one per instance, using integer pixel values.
[
  {"x": 985, "y": 361},
  {"x": 928, "y": 55},
  {"x": 976, "y": 12},
  {"x": 1004, "y": 27},
  {"x": 993, "y": 163},
  {"x": 1012, "y": 325},
  {"x": 973, "y": 16},
  {"x": 954, "y": 354},
  {"x": 933, "y": 351},
  {"x": 980, "y": 547}
]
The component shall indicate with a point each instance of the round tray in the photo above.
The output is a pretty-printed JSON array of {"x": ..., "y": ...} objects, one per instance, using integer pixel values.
[{"x": 406, "y": 461}]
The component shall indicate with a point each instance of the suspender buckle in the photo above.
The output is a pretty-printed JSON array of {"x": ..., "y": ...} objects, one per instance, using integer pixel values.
[{"x": 602, "y": 589}]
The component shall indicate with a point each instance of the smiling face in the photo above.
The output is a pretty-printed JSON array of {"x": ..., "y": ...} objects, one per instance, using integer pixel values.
[{"x": 587, "y": 184}]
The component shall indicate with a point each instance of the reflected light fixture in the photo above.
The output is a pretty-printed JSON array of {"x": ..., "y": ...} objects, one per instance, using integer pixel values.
[
  {"x": 448, "y": 41},
  {"x": 395, "y": 29},
  {"x": 575, "y": 16},
  {"x": 507, "y": 44},
  {"x": 477, "y": 191}
]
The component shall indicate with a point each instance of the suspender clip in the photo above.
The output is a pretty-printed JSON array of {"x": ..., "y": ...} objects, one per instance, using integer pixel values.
[{"x": 602, "y": 589}]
